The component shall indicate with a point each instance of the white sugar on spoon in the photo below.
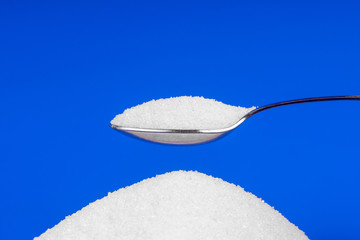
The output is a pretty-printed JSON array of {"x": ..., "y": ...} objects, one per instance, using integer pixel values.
[
  {"x": 183, "y": 113},
  {"x": 180, "y": 115}
]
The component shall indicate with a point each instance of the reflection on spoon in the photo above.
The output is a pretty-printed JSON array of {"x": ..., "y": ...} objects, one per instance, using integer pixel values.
[{"x": 198, "y": 136}]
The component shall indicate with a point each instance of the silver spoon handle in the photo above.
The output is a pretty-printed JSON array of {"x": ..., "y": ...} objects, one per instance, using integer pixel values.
[{"x": 303, "y": 100}]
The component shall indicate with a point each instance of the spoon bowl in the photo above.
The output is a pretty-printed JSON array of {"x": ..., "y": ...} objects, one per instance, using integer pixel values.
[
  {"x": 172, "y": 136},
  {"x": 198, "y": 136}
]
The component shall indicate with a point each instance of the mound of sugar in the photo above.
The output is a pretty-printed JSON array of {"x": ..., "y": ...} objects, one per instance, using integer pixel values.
[
  {"x": 181, "y": 113},
  {"x": 177, "y": 206}
]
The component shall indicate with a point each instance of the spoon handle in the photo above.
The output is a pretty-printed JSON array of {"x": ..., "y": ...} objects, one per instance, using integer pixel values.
[{"x": 303, "y": 100}]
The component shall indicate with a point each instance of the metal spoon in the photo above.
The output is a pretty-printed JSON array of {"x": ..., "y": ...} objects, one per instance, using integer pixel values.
[{"x": 196, "y": 136}]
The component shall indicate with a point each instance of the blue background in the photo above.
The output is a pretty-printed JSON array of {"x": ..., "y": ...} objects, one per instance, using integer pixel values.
[{"x": 67, "y": 68}]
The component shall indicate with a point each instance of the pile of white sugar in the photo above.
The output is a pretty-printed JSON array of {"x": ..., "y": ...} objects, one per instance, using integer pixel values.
[
  {"x": 181, "y": 113},
  {"x": 177, "y": 206}
]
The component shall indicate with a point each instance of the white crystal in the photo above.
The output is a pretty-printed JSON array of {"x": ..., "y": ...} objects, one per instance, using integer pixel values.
[
  {"x": 179, "y": 205},
  {"x": 181, "y": 113}
]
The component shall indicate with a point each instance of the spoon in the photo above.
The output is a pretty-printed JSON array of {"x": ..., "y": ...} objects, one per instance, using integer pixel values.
[{"x": 196, "y": 136}]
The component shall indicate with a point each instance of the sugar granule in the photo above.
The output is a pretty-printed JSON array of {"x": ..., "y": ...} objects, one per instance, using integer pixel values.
[
  {"x": 181, "y": 113},
  {"x": 179, "y": 205}
]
